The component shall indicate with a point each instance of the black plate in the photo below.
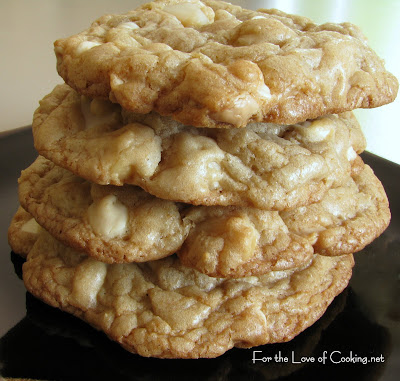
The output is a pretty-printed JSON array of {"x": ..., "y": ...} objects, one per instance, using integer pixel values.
[{"x": 358, "y": 338}]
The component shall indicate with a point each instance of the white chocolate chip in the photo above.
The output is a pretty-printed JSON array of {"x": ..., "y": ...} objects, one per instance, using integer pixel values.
[
  {"x": 264, "y": 91},
  {"x": 130, "y": 25},
  {"x": 31, "y": 226},
  {"x": 244, "y": 106},
  {"x": 59, "y": 49},
  {"x": 138, "y": 146},
  {"x": 158, "y": 47},
  {"x": 86, "y": 45},
  {"x": 108, "y": 217},
  {"x": 96, "y": 112},
  {"x": 305, "y": 124},
  {"x": 197, "y": 162},
  {"x": 116, "y": 81},
  {"x": 351, "y": 154},
  {"x": 190, "y": 14},
  {"x": 317, "y": 131}
]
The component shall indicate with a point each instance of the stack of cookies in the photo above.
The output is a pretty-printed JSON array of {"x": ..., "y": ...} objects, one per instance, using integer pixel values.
[{"x": 199, "y": 184}]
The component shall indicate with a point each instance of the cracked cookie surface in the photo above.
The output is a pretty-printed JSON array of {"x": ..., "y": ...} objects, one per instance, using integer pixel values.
[
  {"x": 163, "y": 309},
  {"x": 225, "y": 242},
  {"x": 82, "y": 215},
  {"x": 113, "y": 224},
  {"x": 344, "y": 221},
  {"x": 264, "y": 165},
  {"x": 261, "y": 65}
]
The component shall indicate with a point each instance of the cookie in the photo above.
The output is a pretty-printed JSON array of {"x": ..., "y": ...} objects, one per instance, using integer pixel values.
[
  {"x": 222, "y": 241},
  {"x": 233, "y": 242},
  {"x": 266, "y": 166},
  {"x": 163, "y": 309},
  {"x": 113, "y": 224},
  {"x": 23, "y": 232},
  {"x": 125, "y": 224},
  {"x": 225, "y": 242},
  {"x": 347, "y": 218},
  {"x": 213, "y": 64}
]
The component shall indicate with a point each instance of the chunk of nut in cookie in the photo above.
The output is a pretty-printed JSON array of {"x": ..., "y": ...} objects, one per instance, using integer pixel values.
[
  {"x": 241, "y": 243},
  {"x": 224, "y": 243},
  {"x": 108, "y": 217},
  {"x": 191, "y": 14}
]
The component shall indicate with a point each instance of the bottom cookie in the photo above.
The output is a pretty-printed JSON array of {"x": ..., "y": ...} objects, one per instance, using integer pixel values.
[{"x": 163, "y": 309}]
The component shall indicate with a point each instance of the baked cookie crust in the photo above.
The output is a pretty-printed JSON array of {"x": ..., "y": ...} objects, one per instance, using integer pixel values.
[{"x": 213, "y": 64}]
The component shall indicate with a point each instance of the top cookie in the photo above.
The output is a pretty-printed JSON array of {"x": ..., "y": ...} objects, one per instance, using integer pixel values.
[{"x": 213, "y": 64}]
